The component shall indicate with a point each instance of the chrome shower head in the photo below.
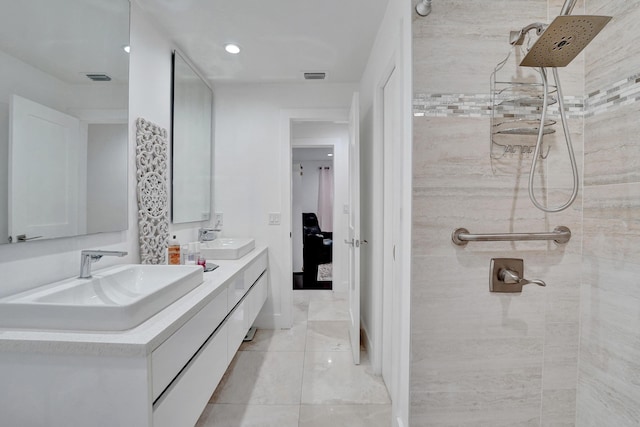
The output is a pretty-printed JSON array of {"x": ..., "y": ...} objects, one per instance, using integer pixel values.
[
  {"x": 423, "y": 8},
  {"x": 563, "y": 40}
]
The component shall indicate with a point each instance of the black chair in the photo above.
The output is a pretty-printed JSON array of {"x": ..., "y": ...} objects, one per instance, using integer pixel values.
[{"x": 317, "y": 248}]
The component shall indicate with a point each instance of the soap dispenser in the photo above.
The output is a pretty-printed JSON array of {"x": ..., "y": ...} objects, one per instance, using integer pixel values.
[{"x": 174, "y": 251}]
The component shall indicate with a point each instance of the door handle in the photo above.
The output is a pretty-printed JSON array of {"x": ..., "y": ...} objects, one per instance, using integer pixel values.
[{"x": 353, "y": 242}]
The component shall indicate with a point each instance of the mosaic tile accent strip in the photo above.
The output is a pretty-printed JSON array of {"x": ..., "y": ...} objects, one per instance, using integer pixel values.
[
  {"x": 479, "y": 105},
  {"x": 623, "y": 92},
  {"x": 446, "y": 105}
]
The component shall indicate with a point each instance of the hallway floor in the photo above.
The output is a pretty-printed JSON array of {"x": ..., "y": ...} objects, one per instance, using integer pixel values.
[{"x": 301, "y": 377}]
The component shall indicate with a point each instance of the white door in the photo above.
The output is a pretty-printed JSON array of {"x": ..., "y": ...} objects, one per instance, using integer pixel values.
[
  {"x": 354, "y": 228},
  {"x": 44, "y": 170}
]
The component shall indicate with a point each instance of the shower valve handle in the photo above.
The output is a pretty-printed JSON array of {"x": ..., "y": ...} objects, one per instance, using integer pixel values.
[{"x": 510, "y": 277}]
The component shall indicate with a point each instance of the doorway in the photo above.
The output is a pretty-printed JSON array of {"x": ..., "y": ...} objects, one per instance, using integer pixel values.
[
  {"x": 313, "y": 120},
  {"x": 312, "y": 204},
  {"x": 315, "y": 146}
]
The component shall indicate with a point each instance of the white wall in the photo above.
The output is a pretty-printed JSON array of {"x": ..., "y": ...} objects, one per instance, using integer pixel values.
[
  {"x": 150, "y": 98},
  {"x": 249, "y": 170}
]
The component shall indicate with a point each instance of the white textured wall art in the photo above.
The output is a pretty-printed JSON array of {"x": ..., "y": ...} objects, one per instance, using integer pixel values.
[{"x": 153, "y": 207}]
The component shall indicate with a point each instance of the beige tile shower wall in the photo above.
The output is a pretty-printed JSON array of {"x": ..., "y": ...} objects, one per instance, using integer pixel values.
[
  {"x": 613, "y": 54},
  {"x": 609, "y": 374},
  {"x": 482, "y": 359}
]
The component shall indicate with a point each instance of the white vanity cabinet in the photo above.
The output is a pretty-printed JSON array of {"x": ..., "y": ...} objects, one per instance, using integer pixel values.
[
  {"x": 189, "y": 389},
  {"x": 159, "y": 374}
]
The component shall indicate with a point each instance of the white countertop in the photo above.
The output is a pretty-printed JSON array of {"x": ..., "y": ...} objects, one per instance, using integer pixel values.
[{"x": 138, "y": 341}]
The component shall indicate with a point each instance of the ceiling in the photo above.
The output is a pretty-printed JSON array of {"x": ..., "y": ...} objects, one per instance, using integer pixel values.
[{"x": 280, "y": 39}]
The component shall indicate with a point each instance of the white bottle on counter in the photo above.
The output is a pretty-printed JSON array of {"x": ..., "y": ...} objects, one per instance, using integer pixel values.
[
  {"x": 191, "y": 254},
  {"x": 183, "y": 254}
]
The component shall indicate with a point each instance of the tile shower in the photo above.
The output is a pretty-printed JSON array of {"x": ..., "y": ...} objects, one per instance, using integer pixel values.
[{"x": 567, "y": 354}]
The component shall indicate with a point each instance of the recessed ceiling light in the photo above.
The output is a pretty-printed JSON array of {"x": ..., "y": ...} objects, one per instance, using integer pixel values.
[
  {"x": 330, "y": 154},
  {"x": 232, "y": 48},
  {"x": 127, "y": 48}
]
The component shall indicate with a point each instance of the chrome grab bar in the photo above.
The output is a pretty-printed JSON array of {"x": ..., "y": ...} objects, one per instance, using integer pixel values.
[{"x": 461, "y": 236}]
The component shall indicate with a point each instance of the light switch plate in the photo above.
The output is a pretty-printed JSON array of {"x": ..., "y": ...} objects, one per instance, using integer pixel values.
[{"x": 274, "y": 218}]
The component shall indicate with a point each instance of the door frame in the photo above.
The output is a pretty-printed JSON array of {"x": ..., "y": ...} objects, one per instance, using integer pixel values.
[{"x": 286, "y": 190}]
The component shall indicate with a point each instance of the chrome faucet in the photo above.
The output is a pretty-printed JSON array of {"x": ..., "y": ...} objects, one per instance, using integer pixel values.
[
  {"x": 207, "y": 234},
  {"x": 88, "y": 257}
]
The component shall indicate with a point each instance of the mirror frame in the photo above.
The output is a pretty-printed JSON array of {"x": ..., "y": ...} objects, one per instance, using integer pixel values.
[{"x": 194, "y": 154}]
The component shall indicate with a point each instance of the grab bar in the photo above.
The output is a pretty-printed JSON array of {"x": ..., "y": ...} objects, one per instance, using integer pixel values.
[{"x": 461, "y": 236}]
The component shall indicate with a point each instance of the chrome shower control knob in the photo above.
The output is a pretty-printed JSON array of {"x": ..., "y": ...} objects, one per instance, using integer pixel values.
[
  {"x": 506, "y": 275},
  {"x": 510, "y": 277}
]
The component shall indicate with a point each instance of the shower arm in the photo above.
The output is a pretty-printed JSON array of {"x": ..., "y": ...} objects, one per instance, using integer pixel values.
[
  {"x": 568, "y": 6},
  {"x": 516, "y": 38}
]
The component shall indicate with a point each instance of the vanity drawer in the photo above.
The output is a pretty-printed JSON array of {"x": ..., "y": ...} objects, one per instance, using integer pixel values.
[
  {"x": 238, "y": 325},
  {"x": 243, "y": 281},
  {"x": 237, "y": 289},
  {"x": 255, "y": 269},
  {"x": 186, "y": 398},
  {"x": 171, "y": 356},
  {"x": 257, "y": 298}
]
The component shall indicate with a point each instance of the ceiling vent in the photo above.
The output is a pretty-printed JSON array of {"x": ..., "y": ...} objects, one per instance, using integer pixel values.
[
  {"x": 315, "y": 76},
  {"x": 99, "y": 77}
]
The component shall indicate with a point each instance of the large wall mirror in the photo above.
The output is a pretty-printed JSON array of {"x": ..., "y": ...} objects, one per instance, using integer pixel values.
[
  {"x": 192, "y": 142},
  {"x": 63, "y": 118}
]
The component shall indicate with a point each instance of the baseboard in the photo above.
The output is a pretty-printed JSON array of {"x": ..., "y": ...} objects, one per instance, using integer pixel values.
[{"x": 369, "y": 346}]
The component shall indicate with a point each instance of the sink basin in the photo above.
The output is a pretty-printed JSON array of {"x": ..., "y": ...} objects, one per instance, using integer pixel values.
[
  {"x": 114, "y": 299},
  {"x": 227, "y": 248}
]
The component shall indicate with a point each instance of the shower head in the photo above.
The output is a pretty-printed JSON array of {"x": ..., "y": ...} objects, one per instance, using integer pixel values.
[
  {"x": 563, "y": 40},
  {"x": 423, "y": 7}
]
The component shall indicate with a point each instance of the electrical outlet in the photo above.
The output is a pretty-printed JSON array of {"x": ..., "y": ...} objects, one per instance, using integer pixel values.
[
  {"x": 274, "y": 218},
  {"x": 218, "y": 218}
]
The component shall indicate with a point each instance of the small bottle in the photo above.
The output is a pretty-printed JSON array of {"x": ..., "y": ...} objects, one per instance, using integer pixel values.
[
  {"x": 200, "y": 260},
  {"x": 174, "y": 251},
  {"x": 191, "y": 255},
  {"x": 197, "y": 249},
  {"x": 183, "y": 254}
]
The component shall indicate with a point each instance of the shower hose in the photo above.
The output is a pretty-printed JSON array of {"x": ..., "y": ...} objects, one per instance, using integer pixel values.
[{"x": 567, "y": 137}]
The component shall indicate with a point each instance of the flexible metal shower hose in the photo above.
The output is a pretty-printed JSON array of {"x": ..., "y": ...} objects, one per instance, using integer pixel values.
[{"x": 567, "y": 137}]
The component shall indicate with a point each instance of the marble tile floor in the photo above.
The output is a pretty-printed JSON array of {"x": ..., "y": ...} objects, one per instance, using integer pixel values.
[{"x": 301, "y": 377}]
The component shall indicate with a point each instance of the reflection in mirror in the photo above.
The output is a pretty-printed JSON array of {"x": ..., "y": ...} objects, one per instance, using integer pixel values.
[
  {"x": 191, "y": 144},
  {"x": 63, "y": 118}
]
